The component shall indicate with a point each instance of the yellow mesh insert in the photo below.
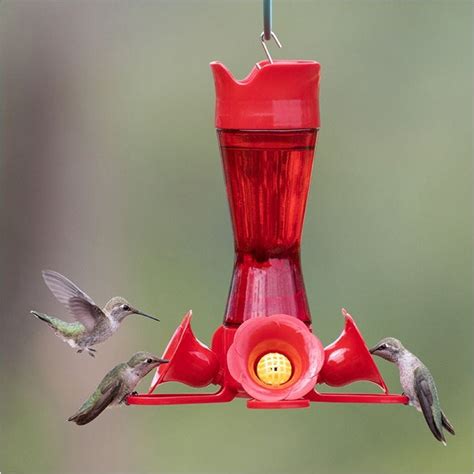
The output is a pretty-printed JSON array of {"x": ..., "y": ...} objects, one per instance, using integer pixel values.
[{"x": 274, "y": 369}]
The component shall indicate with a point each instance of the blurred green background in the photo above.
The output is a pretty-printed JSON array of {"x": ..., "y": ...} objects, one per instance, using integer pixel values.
[{"x": 110, "y": 173}]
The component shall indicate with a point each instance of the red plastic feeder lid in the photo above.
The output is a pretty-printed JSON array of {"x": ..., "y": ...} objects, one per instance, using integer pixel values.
[{"x": 277, "y": 96}]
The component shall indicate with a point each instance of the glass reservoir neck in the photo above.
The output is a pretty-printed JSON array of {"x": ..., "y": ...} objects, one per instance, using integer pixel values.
[{"x": 267, "y": 175}]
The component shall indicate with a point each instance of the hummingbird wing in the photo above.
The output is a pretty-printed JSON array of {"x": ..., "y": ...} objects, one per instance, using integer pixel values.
[
  {"x": 93, "y": 410},
  {"x": 425, "y": 390},
  {"x": 86, "y": 313},
  {"x": 107, "y": 392},
  {"x": 63, "y": 288},
  {"x": 79, "y": 304}
]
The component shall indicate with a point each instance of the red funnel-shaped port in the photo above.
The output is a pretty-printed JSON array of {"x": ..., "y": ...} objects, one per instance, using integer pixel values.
[
  {"x": 264, "y": 346},
  {"x": 190, "y": 361},
  {"x": 348, "y": 359}
]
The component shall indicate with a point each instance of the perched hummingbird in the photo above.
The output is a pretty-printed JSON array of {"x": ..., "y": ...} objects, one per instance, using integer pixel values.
[
  {"x": 116, "y": 386},
  {"x": 417, "y": 383},
  {"x": 93, "y": 325}
]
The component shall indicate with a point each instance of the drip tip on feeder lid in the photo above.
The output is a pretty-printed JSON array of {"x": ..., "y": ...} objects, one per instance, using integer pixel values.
[{"x": 282, "y": 95}]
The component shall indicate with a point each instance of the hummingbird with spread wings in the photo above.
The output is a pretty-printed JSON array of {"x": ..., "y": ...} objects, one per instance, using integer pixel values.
[
  {"x": 93, "y": 325},
  {"x": 116, "y": 386},
  {"x": 417, "y": 383}
]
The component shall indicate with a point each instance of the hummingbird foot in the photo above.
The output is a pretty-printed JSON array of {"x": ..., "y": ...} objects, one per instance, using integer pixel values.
[
  {"x": 125, "y": 399},
  {"x": 91, "y": 352},
  {"x": 80, "y": 351}
]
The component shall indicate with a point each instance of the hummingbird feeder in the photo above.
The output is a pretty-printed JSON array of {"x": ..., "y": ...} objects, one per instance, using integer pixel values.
[{"x": 265, "y": 350}]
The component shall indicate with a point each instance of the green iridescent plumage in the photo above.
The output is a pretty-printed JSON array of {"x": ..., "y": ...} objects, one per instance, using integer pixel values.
[{"x": 61, "y": 327}]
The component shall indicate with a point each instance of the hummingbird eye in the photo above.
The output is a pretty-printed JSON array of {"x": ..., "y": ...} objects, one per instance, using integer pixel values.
[
  {"x": 148, "y": 361},
  {"x": 125, "y": 307},
  {"x": 382, "y": 347}
]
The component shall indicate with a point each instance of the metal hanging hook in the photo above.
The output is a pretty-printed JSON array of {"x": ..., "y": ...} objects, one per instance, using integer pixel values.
[
  {"x": 267, "y": 52},
  {"x": 267, "y": 33}
]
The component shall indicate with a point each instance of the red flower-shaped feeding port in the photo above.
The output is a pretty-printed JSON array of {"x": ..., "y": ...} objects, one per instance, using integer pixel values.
[{"x": 282, "y": 337}]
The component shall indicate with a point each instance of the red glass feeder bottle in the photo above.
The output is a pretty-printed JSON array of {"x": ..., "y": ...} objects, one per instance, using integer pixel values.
[{"x": 265, "y": 350}]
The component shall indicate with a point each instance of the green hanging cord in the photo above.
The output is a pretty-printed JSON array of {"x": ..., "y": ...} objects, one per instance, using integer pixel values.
[
  {"x": 267, "y": 20},
  {"x": 267, "y": 33}
]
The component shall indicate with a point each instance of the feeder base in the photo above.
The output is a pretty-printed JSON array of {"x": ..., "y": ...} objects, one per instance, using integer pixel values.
[{"x": 227, "y": 395}]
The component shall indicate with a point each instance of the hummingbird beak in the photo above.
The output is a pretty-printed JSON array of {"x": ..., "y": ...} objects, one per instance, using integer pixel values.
[
  {"x": 163, "y": 361},
  {"x": 373, "y": 349},
  {"x": 146, "y": 315}
]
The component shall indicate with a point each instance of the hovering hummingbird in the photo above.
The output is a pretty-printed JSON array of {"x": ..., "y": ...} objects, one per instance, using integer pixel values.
[
  {"x": 116, "y": 386},
  {"x": 93, "y": 325},
  {"x": 417, "y": 383}
]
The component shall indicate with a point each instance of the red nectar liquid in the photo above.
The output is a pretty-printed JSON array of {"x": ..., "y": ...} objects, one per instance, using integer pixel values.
[{"x": 267, "y": 175}]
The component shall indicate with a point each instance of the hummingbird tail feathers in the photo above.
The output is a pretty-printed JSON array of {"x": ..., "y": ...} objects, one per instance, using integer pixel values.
[
  {"x": 446, "y": 424},
  {"x": 61, "y": 328},
  {"x": 84, "y": 418},
  {"x": 42, "y": 317}
]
